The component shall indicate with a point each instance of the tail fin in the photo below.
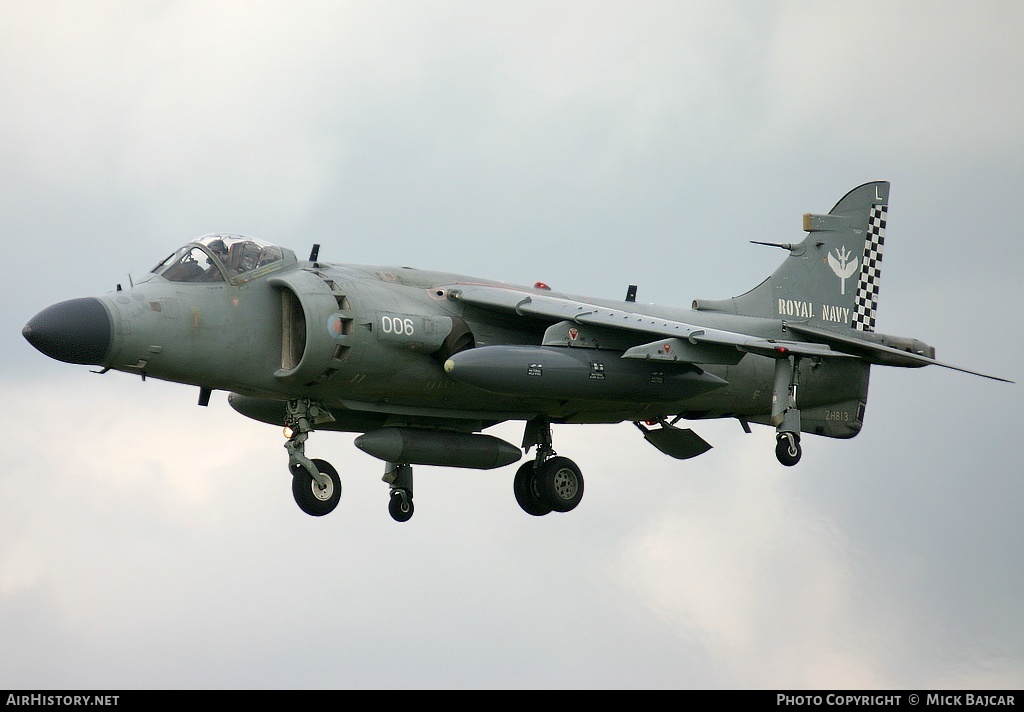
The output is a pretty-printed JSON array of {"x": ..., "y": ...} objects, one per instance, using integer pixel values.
[{"x": 832, "y": 278}]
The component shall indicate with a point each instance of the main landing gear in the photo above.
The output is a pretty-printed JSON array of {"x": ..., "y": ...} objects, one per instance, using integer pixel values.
[
  {"x": 785, "y": 414},
  {"x": 547, "y": 483}
]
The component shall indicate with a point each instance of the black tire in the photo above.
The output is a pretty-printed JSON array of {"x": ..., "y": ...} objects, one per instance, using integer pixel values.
[
  {"x": 560, "y": 484},
  {"x": 313, "y": 500},
  {"x": 525, "y": 488},
  {"x": 400, "y": 506},
  {"x": 788, "y": 452}
]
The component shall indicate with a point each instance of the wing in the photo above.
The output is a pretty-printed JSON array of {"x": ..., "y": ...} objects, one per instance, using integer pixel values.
[
  {"x": 680, "y": 341},
  {"x": 674, "y": 340}
]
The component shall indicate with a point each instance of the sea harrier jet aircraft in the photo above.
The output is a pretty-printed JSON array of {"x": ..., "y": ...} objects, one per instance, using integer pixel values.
[{"x": 420, "y": 362}]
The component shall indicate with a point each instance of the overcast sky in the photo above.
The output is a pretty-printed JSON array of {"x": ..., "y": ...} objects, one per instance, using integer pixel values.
[{"x": 149, "y": 543}]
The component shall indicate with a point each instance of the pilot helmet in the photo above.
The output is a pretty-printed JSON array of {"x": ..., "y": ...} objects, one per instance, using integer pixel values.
[{"x": 218, "y": 248}]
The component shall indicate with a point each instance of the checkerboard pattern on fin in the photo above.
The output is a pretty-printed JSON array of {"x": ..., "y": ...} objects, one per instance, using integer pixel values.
[{"x": 866, "y": 301}]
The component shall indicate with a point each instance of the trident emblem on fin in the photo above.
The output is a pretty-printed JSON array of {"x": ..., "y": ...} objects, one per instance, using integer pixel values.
[{"x": 841, "y": 267}]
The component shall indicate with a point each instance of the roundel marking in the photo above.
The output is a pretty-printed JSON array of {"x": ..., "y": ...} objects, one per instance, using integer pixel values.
[{"x": 335, "y": 325}]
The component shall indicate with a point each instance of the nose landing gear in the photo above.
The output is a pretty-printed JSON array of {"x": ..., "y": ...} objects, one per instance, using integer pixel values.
[
  {"x": 316, "y": 486},
  {"x": 314, "y": 498}
]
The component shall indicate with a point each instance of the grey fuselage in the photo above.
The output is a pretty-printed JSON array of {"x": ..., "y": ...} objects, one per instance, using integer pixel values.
[{"x": 370, "y": 343}]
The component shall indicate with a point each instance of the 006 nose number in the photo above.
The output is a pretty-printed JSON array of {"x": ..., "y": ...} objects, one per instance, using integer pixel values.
[{"x": 396, "y": 325}]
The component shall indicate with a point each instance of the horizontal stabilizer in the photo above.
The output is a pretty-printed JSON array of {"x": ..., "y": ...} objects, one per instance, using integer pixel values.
[
  {"x": 680, "y": 443},
  {"x": 880, "y": 353}
]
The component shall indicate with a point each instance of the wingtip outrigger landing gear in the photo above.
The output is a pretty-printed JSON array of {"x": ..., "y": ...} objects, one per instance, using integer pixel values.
[
  {"x": 315, "y": 483},
  {"x": 547, "y": 483},
  {"x": 399, "y": 478},
  {"x": 787, "y": 448},
  {"x": 785, "y": 414}
]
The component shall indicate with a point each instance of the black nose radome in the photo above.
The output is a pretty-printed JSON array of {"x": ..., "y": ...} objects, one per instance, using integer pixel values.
[{"x": 75, "y": 331}]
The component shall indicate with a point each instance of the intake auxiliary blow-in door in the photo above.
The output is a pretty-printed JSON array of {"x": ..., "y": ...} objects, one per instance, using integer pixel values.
[{"x": 316, "y": 327}]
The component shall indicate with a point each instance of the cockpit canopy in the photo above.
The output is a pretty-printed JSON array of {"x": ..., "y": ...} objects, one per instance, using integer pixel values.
[{"x": 219, "y": 257}]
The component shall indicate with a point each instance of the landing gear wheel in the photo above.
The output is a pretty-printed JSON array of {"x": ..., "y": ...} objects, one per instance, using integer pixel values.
[
  {"x": 314, "y": 500},
  {"x": 400, "y": 507},
  {"x": 788, "y": 449},
  {"x": 559, "y": 484},
  {"x": 525, "y": 488}
]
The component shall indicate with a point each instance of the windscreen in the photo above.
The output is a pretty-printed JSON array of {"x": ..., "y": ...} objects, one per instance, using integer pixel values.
[{"x": 219, "y": 257}]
